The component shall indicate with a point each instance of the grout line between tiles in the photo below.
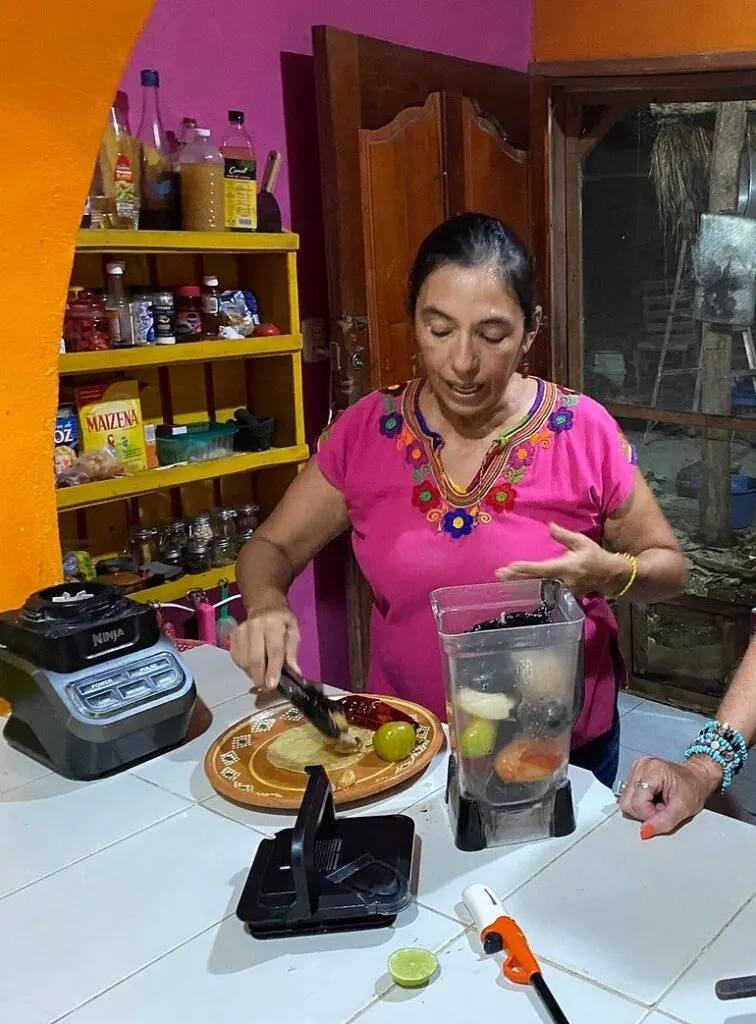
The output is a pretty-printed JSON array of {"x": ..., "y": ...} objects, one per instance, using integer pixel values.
[
  {"x": 437, "y": 951},
  {"x": 706, "y": 948},
  {"x": 94, "y": 853},
  {"x": 150, "y": 963},
  {"x": 227, "y": 817}
]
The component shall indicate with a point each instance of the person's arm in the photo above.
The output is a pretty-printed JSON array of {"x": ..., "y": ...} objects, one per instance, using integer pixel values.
[
  {"x": 311, "y": 513},
  {"x": 638, "y": 528},
  {"x": 663, "y": 794}
]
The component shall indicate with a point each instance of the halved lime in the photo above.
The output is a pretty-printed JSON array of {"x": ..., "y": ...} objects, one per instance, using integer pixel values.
[{"x": 413, "y": 967}]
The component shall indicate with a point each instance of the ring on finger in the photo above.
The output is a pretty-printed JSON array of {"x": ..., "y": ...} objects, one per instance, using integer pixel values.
[{"x": 641, "y": 784}]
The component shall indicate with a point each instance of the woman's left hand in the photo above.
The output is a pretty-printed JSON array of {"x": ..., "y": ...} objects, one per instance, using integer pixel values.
[{"x": 584, "y": 568}]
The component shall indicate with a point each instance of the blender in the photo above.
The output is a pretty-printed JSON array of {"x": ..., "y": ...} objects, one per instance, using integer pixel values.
[{"x": 512, "y": 656}]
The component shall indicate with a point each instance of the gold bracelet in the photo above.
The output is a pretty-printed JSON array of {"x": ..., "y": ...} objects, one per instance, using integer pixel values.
[{"x": 633, "y": 574}]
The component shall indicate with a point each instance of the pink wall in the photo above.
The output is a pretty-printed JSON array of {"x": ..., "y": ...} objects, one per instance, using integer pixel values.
[{"x": 219, "y": 54}]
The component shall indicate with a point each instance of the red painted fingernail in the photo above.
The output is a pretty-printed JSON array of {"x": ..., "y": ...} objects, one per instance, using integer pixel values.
[{"x": 647, "y": 830}]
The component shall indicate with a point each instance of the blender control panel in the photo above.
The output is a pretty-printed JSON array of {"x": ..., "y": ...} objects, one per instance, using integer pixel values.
[{"x": 111, "y": 692}]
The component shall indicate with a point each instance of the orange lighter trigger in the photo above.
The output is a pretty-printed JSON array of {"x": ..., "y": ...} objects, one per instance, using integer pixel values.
[{"x": 505, "y": 935}]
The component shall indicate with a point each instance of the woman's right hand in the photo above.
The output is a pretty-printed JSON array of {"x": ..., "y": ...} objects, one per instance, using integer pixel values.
[{"x": 268, "y": 638}]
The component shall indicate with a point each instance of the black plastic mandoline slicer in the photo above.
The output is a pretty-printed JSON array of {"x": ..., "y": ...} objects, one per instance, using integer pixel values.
[{"x": 328, "y": 874}]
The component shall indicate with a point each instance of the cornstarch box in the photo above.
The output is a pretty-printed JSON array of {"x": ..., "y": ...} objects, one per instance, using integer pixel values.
[{"x": 110, "y": 417}]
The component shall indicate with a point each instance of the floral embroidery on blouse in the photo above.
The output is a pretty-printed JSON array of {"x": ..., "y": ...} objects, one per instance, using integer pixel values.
[{"x": 493, "y": 491}]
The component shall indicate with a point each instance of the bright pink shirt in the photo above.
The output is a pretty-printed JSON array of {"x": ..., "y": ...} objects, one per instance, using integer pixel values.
[{"x": 566, "y": 462}]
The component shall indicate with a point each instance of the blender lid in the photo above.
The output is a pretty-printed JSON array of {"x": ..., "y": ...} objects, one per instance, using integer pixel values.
[{"x": 66, "y": 603}]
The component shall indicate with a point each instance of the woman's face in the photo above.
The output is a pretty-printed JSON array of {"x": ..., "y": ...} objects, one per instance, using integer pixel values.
[{"x": 471, "y": 333}]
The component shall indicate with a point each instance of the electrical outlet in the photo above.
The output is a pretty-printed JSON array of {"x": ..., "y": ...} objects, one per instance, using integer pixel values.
[{"x": 315, "y": 340}]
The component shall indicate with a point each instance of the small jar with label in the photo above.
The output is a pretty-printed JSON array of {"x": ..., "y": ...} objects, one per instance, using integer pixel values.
[
  {"x": 197, "y": 556},
  {"x": 142, "y": 316},
  {"x": 211, "y": 299},
  {"x": 188, "y": 313},
  {"x": 165, "y": 314}
]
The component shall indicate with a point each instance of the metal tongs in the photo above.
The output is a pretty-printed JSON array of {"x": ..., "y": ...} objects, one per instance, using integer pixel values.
[{"x": 319, "y": 711}]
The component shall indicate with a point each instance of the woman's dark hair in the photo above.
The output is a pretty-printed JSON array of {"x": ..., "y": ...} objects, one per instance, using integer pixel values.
[{"x": 477, "y": 240}]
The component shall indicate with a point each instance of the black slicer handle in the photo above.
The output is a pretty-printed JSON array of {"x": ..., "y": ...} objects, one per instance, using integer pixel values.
[
  {"x": 736, "y": 988},
  {"x": 316, "y": 810}
]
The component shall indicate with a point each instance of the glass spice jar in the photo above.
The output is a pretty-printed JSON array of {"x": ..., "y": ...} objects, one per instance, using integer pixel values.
[
  {"x": 247, "y": 519},
  {"x": 224, "y": 523},
  {"x": 202, "y": 527},
  {"x": 224, "y": 553},
  {"x": 175, "y": 535},
  {"x": 197, "y": 556},
  {"x": 142, "y": 545}
]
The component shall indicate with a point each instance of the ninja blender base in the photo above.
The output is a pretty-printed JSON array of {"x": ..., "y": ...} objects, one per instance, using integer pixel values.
[{"x": 477, "y": 825}]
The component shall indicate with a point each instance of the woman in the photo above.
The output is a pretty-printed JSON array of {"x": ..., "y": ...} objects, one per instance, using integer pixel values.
[
  {"x": 453, "y": 478},
  {"x": 663, "y": 795}
]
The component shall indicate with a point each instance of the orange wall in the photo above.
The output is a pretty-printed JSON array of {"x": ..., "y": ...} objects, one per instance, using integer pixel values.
[
  {"x": 62, "y": 64},
  {"x": 592, "y": 29}
]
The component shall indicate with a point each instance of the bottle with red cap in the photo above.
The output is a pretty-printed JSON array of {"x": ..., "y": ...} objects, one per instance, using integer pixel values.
[{"x": 188, "y": 313}]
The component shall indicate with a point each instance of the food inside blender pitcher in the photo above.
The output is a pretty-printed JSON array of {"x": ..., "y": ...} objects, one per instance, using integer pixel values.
[{"x": 512, "y": 715}]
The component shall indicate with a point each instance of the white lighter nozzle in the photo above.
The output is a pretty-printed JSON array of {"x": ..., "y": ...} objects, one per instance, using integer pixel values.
[{"x": 483, "y": 906}]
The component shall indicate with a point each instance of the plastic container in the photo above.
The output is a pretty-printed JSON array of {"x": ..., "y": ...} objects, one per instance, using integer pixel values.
[
  {"x": 512, "y": 694},
  {"x": 201, "y": 442},
  {"x": 202, "y": 184},
  {"x": 742, "y": 501}
]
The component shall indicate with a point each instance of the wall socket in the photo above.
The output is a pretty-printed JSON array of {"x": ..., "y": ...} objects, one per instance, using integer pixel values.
[{"x": 315, "y": 340}]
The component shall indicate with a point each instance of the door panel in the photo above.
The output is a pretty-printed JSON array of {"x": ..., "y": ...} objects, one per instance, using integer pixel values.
[
  {"x": 492, "y": 176},
  {"x": 398, "y": 212},
  {"x": 407, "y": 138}
]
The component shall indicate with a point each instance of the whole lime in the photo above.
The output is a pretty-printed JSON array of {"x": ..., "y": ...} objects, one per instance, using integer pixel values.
[
  {"x": 478, "y": 738},
  {"x": 394, "y": 741}
]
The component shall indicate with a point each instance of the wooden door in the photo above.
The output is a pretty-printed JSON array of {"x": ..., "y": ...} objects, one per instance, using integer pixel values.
[{"x": 408, "y": 138}]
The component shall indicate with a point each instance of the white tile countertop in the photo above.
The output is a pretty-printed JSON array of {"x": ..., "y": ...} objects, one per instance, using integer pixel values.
[{"x": 118, "y": 899}]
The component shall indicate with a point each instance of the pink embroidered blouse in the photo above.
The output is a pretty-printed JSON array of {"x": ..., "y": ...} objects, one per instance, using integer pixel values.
[{"x": 566, "y": 462}]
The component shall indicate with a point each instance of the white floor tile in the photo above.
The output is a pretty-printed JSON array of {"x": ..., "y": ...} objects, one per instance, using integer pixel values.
[
  {"x": 216, "y": 676},
  {"x": 470, "y": 987},
  {"x": 433, "y": 780},
  {"x": 659, "y": 731},
  {"x": 16, "y": 769},
  {"x": 627, "y": 701},
  {"x": 731, "y": 956},
  {"x": 52, "y": 822},
  {"x": 226, "y": 975},
  {"x": 72, "y": 935},
  {"x": 634, "y": 915},
  {"x": 181, "y": 771},
  {"x": 445, "y": 871}
]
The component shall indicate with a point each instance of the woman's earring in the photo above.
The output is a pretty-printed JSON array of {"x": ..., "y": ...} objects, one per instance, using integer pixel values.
[{"x": 525, "y": 368}]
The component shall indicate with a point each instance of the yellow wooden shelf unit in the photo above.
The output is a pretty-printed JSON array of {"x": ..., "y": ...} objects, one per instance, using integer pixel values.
[
  {"x": 83, "y": 495},
  {"x": 114, "y": 359},
  {"x": 192, "y": 382},
  {"x": 177, "y": 589},
  {"x": 185, "y": 241}
]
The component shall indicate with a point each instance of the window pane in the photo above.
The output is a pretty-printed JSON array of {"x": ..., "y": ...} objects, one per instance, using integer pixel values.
[{"x": 645, "y": 250}]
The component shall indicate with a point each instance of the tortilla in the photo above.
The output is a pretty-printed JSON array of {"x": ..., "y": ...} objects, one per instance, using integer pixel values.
[{"x": 294, "y": 749}]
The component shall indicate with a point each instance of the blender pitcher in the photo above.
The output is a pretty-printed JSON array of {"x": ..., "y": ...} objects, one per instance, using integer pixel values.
[{"x": 512, "y": 656}]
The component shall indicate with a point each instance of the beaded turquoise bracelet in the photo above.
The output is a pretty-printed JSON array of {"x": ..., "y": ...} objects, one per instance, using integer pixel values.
[{"x": 724, "y": 745}]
